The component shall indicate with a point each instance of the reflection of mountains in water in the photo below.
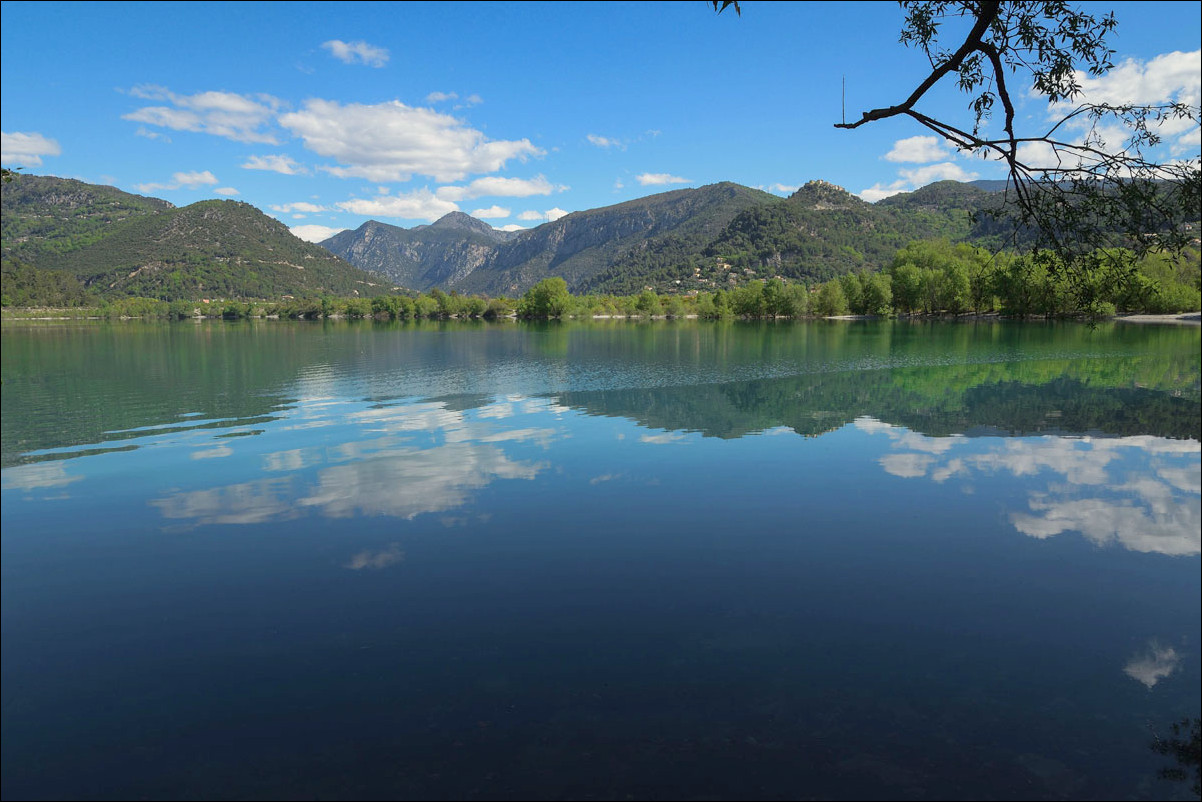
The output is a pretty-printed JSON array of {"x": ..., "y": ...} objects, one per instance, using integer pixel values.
[{"x": 932, "y": 401}]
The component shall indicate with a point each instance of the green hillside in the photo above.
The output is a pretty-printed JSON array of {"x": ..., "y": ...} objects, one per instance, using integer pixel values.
[
  {"x": 46, "y": 217},
  {"x": 118, "y": 245}
]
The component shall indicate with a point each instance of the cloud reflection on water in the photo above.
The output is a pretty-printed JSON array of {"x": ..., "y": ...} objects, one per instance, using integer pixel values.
[
  {"x": 1156, "y": 663},
  {"x": 423, "y": 458},
  {"x": 1139, "y": 492}
]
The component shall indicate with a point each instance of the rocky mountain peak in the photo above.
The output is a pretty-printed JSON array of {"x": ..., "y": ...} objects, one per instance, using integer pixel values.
[{"x": 819, "y": 194}]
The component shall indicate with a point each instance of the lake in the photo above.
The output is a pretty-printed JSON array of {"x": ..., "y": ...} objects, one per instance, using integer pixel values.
[{"x": 669, "y": 560}]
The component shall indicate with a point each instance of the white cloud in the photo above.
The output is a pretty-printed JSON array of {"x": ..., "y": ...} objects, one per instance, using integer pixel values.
[
  {"x": 1168, "y": 78},
  {"x": 548, "y": 216},
  {"x": 393, "y": 142},
  {"x": 357, "y": 52},
  {"x": 238, "y": 117},
  {"x": 420, "y": 204},
  {"x": 155, "y": 135},
  {"x": 512, "y": 227},
  {"x": 918, "y": 149},
  {"x": 945, "y": 171},
  {"x": 194, "y": 180},
  {"x": 606, "y": 142},
  {"x": 439, "y": 97},
  {"x": 915, "y": 178},
  {"x": 879, "y": 192},
  {"x": 492, "y": 212},
  {"x": 657, "y": 179},
  {"x": 498, "y": 187},
  {"x": 302, "y": 206},
  {"x": 784, "y": 189},
  {"x": 314, "y": 233},
  {"x": 276, "y": 163},
  {"x": 228, "y": 191},
  {"x": 26, "y": 149}
]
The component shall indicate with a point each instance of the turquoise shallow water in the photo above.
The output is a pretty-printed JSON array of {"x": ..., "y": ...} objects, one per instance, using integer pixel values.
[{"x": 831, "y": 560}]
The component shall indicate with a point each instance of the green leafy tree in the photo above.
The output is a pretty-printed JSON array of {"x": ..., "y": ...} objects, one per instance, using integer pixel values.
[
  {"x": 548, "y": 298},
  {"x": 877, "y": 296},
  {"x": 907, "y": 287},
  {"x": 1096, "y": 183},
  {"x": 831, "y": 300}
]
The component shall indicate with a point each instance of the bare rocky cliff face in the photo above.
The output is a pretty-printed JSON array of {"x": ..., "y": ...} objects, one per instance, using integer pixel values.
[
  {"x": 419, "y": 258},
  {"x": 461, "y": 253}
]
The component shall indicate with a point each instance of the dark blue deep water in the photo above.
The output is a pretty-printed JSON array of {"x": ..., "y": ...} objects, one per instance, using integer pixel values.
[{"x": 598, "y": 561}]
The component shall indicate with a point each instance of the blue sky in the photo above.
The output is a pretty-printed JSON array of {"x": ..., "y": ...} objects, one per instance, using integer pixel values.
[{"x": 326, "y": 115}]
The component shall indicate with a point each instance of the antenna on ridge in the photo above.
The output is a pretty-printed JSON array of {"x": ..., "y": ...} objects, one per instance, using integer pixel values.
[{"x": 845, "y": 100}]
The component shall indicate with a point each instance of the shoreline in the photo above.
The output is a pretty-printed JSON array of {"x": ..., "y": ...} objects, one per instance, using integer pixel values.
[
  {"x": 1180, "y": 319},
  {"x": 1183, "y": 319}
]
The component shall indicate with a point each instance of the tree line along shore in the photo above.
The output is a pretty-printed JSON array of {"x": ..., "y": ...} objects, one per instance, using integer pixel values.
[{"x": 926, "y": 278}]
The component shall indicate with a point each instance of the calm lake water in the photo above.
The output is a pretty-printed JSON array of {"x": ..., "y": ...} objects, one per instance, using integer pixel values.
[{"x": 596, "y": 561}]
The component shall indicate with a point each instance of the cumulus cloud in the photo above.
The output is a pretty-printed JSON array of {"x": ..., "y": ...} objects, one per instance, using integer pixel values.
[
  {"x": 276, "y": 163},
  {"x": 314, "y": 233},
  {"x": 228, "y": 191},
  {"x": 421, "y": 204},
  {"x": 511, "y": 227},
  {"x": 143, "y": 131},
  {"x": 784, "y": 189},
  {"x": 193, "y": 180},
  {"x": 658, "y": 179},
  {"x": 606, "y": 142},
  {"x": 918, "y": 149},
  {"x": 492, "y": 212},
  {"x": 26, "y": 149},
  {"x": 945, "y": 171},
  {"x": 1168, "y": 78},
  {"x": 915, "y": 178},
  {"x": 548, "y": 216},
  {"x": 301, "y": 206},
  {"x": 357, "y": 52},
  {"x": 393, "y": 142},
  {"x": 881, "y": 191},
  {"x": 241, "y": 118},
  {"x": 439, "y": 97},
  {"x": 498, "y": 187}
]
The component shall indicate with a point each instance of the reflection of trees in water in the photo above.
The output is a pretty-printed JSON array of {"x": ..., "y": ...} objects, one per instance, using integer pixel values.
[
  {"x": 71, "y": 384},
  {"x": 1185, "y": 748},
  {"x": 933, "y": 401}
]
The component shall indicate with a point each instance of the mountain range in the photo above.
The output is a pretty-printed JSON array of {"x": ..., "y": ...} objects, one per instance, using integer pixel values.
[
  {"x": 102, "y": 241},
  {"x": 700, "y": 238}
]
